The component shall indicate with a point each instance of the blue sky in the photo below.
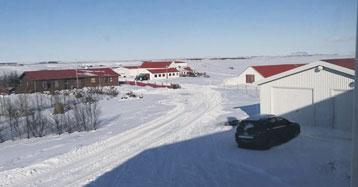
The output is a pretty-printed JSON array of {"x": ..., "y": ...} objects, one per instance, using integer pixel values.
[{"x": 41, "y": 30}]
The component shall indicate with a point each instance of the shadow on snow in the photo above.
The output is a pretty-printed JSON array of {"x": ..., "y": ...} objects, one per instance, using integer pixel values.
[{"x": 215, "y": 160}]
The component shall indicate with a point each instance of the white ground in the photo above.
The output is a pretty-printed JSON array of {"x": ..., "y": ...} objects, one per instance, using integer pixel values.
[{"x": 177, "y": 138}]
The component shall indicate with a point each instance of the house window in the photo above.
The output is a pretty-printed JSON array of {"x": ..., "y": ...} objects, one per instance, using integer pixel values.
[
  {"x": 66, "y": 84},
  {"x": 57, "y": 84},
  {"x": 163, "y": 75},
  {"x": 93, "y": 80},
  {"x": 250, "y": 78},
  {"x": 160, "y": 75},
  {"x": 81, "y": 82},
  {"x": 155, "y": 75},
  {"x": 110, "y": 79},
  {"x": 44, "y": 85}
]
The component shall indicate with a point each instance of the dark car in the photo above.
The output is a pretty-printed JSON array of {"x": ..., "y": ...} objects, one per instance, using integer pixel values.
[
  {"x": 265, "y": 131},
  {"x": 142, "y": 77},
  {"x": 174, "y": 86}
]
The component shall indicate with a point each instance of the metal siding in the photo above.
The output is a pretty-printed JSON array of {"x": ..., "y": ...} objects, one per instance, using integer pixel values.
[
  {"x": 299, "y": 109},
  {"x": 322, "y": 82}
]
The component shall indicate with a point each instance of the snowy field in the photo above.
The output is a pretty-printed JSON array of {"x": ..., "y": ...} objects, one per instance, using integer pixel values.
[{"x": 177, "y": 138}]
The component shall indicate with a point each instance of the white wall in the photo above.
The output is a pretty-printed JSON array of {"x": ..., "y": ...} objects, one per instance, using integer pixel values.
[
  {"x": 166, "y": 75},
  {"x": 241, "y": 79},
  {"x": 179, "y": 65},
  {"x": 130, "y": 73},
  {"x": 323, "y": 84}
]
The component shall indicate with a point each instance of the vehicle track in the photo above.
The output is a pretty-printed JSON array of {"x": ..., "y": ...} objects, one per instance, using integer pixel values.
[{"x": 85, "y": 164}]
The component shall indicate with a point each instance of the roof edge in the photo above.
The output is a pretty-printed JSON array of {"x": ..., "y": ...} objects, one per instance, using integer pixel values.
[{"x": 304, "y": 68}]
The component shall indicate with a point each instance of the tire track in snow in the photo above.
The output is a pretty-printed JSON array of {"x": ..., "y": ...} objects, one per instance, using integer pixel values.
[{"x": 81, "y": 166}]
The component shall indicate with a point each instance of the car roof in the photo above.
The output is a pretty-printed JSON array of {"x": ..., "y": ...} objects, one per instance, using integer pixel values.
[{"x": 259, "y": 117}]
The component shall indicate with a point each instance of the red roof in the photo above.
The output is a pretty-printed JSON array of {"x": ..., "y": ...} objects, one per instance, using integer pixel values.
[
  {"x": 179, "y": 62},
  {"x": 68, "y": 73},
  {"x": 131, "y": 67},
  {"x": 270, "y": 70},
  {"x": 156, "y": 64},
  {"x": 344, "y": 62},
  {"x": 165, "y": 70}
]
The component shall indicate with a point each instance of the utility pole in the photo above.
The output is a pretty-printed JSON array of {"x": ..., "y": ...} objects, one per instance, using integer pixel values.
[
  {"x": 77, "y": 75},
  {"x": 77, "y": 78},
  {"x": 354, "y": 172}
]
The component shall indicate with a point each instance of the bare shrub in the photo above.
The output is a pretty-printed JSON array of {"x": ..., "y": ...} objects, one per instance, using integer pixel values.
[{"x": 9, "y": 79}]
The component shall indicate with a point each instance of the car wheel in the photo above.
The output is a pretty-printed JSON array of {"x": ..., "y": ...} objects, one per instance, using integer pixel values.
[
  {"x": 240, "y": 145},
  {"x": 269, "y": 143}
]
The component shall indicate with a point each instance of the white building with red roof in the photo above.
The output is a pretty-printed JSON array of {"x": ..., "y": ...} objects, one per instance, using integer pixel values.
[
  {"x": 315, "y": 94},
  {"x": 166, "y": 73},
  {"x": 155, "y": 70},
  {"x": 257, "y": 73}
]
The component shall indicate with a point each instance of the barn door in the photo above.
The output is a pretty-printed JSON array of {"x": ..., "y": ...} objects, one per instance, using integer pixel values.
[{"x": 296, "y": 104}]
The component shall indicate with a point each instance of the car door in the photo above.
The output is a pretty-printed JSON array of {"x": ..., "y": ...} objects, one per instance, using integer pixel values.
[
  {"x": 278, "y": 128},
  {"x": 284, "y": 129}
]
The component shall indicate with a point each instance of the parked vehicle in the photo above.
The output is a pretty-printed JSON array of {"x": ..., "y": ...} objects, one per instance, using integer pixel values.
[
  {"x": 265, "y": 131},
  {"x": 131, "y": 94},
  {"x": 142, "y": 77},
  {"x": 174, "y": 86}
]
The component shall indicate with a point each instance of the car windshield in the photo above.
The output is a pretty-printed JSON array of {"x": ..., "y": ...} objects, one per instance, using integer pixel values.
[{"x": 248, "y": 124}]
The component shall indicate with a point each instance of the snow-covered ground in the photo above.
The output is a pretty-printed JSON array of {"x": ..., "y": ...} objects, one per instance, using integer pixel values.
[{"x": 177, "y": 138}]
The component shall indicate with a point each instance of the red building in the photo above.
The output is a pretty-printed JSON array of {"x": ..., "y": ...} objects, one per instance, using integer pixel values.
[{"x": 51, "y": 80}]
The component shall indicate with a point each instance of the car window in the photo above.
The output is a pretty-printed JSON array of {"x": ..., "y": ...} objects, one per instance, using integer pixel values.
[
  {"x": 272, "y": 120},
  {"x": 282, "y": 121},
  {"x": 248, "y": 126}
]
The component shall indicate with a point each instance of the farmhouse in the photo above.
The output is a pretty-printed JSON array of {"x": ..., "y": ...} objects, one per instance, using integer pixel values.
[
  {"x": 51, "y": 80},
  {"x": 315, "y": 94},
  {"x": 257, "y": 73},
  {"x": 163, "y": 73},
  {"x": 154, "y": 70}
]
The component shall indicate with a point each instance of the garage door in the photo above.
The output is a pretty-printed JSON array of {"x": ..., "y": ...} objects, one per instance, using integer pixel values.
[
  {"x": 294, "y": 104},
  {"x": 343, "y": 109}
]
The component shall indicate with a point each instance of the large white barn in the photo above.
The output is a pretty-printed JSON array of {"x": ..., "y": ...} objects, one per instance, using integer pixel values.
[{"x": 316, "y": 94}]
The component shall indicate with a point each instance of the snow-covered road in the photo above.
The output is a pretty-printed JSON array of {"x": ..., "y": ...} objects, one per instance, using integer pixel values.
[{"x": 195, "y": 107}]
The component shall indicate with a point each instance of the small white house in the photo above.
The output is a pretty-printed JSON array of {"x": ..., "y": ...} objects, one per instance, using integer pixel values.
[
  {"x": 155, "y": 69},
  {"x": 157, "y": 74},
  {"x": 256, "y": 73},
  {"x": 316, "y": 94}
]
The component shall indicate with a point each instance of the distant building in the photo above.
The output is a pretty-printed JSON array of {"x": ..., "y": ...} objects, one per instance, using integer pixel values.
[
  {"x": 156, "y": 74},
  {"x": 51, "y": 80},
  {"x": 315, "y": 94},
  {"x": 157, "y": 64},
  {"x": 154, "y": 70}
]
